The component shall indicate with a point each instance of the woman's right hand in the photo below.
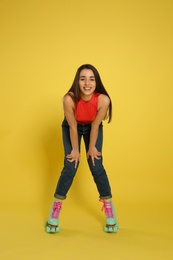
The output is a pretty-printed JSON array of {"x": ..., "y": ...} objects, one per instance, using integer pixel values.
[{"x": 74, "y": 156}]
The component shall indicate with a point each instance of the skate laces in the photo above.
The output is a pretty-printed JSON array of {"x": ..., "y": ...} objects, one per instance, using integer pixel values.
[
  {"x": 107, "y": 208},
  {"x": 56, "y": 209}
]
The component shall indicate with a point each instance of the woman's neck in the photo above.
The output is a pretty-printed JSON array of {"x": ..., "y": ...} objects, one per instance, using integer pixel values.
[{"x": 87, "y": 97}]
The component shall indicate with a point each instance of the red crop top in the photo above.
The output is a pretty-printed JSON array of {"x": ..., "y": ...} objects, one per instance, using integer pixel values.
[{"x": 86, "y": 111}]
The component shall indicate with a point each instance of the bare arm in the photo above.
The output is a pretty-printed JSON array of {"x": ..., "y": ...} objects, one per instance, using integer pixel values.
[
  {"x": 69, "y": 106},
  {"x": 103, "y": 106}
]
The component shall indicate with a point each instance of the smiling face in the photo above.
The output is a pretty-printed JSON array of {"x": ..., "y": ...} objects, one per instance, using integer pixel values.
[{"x": 87, "y": 84}]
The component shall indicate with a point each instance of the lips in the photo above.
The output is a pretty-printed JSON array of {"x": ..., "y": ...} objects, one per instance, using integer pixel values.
[{"x": 87, "y": 89}]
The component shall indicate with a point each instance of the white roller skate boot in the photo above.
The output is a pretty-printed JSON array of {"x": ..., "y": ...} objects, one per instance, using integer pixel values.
[
  {"x": 52, "y": 223},
  {"x": 111, "y": 223}
]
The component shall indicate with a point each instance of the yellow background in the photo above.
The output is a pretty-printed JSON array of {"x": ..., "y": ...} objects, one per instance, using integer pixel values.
[{"x": 42, "y": 45}]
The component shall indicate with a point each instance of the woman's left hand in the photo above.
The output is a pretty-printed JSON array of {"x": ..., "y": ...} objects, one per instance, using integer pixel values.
[{"x": 94, "y": 154}]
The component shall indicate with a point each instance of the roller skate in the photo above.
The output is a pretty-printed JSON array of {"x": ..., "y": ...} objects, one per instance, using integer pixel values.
[
  {"x": 52, "y": 223},
  {"x": 111, "y": 223}
]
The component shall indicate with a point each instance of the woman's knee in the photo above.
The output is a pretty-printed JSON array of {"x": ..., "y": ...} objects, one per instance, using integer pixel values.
[
  {"x": 97, "y": 168},
  {"x": 70, "y": 167}
]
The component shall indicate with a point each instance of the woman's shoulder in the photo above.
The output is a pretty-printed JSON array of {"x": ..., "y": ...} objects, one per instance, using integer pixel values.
[
  {"x": 68, "y": 98},
  {"x": 69, "y": 95},
  {"x": 103, "y": 99}
]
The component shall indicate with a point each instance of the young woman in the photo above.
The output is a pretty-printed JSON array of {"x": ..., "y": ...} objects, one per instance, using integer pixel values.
[{"x": 85, "y": 105}]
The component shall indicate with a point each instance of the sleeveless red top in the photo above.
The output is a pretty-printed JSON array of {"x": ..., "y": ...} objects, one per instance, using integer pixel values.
[{"x": 86, "y": 111}]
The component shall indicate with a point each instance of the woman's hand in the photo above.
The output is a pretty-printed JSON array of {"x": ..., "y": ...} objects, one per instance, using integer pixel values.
[
  {"x": 74, "y": 156},
  {"x": 94, "y": 154}
]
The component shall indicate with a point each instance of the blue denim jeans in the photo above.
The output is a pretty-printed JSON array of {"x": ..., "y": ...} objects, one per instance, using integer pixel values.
[{"x": 68, "y": 171}]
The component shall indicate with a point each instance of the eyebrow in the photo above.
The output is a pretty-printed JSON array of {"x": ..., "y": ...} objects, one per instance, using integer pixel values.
[{"x": 84, "y": 77}]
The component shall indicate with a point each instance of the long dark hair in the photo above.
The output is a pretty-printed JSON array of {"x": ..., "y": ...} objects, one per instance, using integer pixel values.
[{"x": 99, "y": 87}]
